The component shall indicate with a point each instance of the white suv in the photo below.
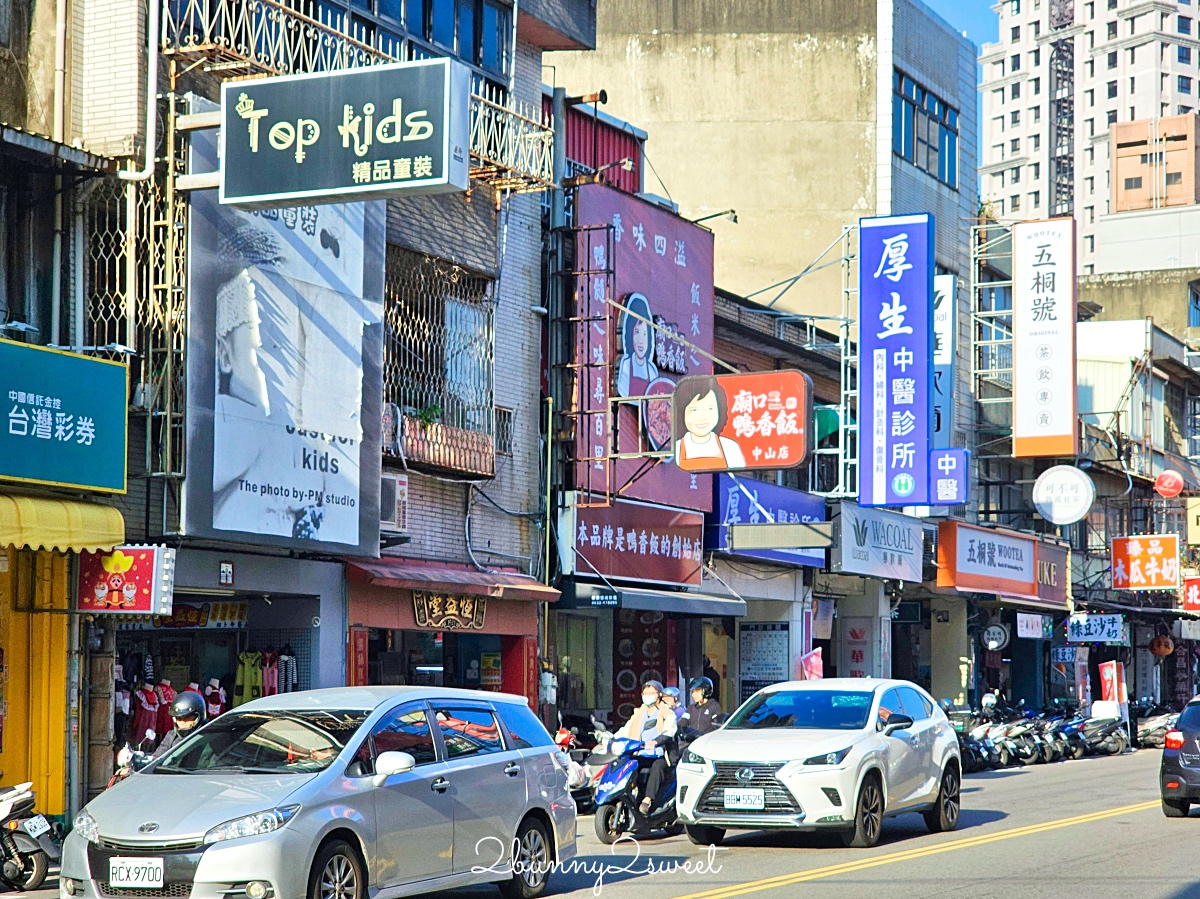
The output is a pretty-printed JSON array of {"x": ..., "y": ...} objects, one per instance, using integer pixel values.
[{"x": 839, "y": 754}]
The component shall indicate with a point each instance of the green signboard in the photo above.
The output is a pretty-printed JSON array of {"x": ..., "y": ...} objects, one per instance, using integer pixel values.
[{"x": 64, "y": 418}]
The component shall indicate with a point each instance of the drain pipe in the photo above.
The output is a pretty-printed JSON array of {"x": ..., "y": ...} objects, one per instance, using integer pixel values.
[
  {"x": 144, "y": 174},
  {"x": 58, "y": 133}
]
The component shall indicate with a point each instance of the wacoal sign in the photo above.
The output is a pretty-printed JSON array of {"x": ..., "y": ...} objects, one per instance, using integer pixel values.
[{"x": 877, "y": 543}]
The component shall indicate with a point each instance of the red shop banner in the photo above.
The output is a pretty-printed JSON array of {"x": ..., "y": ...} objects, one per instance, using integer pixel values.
[
  {"x": 645, "y": 295},
  {"x": 732, "y": 422},
  {"x": 640, "y": 543},
  {"x": 1191, "y": 594},
  {"x": 129, "y": 580}
]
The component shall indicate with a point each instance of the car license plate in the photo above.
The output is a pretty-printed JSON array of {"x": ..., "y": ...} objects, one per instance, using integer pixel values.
[
  {"x": 126, "y": 873},
  {"x": 36, "y": 826},
  {"x": 744, "y": 799}
]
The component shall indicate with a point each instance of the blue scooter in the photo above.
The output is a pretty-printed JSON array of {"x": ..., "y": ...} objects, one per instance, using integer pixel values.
[{"x": 619, "y": 791}]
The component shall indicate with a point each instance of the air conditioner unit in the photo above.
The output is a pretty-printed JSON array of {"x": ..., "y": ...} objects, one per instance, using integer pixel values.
[{"x": 393, "y": 503}]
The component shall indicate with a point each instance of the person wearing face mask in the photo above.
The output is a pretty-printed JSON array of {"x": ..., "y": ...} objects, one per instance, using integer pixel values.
[{"x": 653, "y": 723}]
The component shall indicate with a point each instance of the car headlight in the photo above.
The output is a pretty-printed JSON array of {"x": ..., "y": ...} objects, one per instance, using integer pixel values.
[
  {"x": 252, "y": 825},
  {"x": 691, "y": 758},
  {"x": 829, "y": 758},
  {"x": 86, "y": 827}
]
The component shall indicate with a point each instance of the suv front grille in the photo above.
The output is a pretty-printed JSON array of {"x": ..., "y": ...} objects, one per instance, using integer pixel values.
[
  {"x": 168, "y": 891},
  {"x": 776, "y": 798}
]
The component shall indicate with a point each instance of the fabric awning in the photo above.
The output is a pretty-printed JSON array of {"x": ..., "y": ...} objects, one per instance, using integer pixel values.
[
  {"x": 703, "y": 605},
  {"x": 59, "y": 524},
  {"x": 411, "y": 574}
]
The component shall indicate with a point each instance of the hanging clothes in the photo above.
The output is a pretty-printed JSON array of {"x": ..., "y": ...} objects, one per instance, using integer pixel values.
[
  {"x": 166, "y": 695},
  {"x": 215, "y": 700},
  {"x": 145, "y": 713},
  {"x": 249, "y": 683},
  {"x": 270, "y": 673},
  {"x": 289, "y": 677}
]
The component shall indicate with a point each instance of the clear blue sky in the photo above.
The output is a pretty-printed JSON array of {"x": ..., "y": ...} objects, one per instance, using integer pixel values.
[{"x": 975, "y": 17}]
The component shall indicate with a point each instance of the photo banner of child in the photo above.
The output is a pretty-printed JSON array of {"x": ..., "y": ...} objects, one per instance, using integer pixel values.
[{"x": 750, "y": 421}]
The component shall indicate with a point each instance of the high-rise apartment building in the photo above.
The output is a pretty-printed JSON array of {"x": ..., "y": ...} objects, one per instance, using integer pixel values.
[{"x": 1061, "y": 74}]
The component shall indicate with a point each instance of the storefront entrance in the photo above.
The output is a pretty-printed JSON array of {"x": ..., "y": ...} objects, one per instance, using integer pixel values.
[
  {"x": 434, "y": 659},
  {"x": 228, "y": 640}
]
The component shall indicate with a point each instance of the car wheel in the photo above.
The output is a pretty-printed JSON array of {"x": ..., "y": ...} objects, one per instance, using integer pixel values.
[
  {"x": 1176, "y": 808},
  {"x": 704, "y": 835},
  {"x": 337, "y": 873},
  {"x": 531, "y": 863},
  {"x": 868, "y": 815},
  {"x": 943, "y": 817}
]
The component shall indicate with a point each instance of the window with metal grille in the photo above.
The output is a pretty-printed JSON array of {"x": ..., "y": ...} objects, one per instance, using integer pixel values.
[
  {"x": 438, "y": 363},
  {"x": 504, "y": 431}
]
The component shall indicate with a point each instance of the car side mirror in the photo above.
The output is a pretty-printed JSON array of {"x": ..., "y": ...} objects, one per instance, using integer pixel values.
[
  {"x": 390, "y": 763},
  {"x": 897, "y": 722}
]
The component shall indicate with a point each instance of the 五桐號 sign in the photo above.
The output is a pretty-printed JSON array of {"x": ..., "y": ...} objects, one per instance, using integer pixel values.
[{"x": 356, "y": 134}]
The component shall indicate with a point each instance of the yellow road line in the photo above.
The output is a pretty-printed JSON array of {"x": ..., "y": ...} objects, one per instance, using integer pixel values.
[{"x": 754, "y": 886}]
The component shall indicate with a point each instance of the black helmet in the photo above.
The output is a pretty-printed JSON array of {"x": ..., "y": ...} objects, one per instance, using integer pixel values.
[
  {"x": 188, "y": 705},
  {"x": 701, "y": 683}
]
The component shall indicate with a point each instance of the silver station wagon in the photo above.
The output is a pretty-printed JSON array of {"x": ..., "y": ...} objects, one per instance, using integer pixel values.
[{"x": 335, "y": 794}]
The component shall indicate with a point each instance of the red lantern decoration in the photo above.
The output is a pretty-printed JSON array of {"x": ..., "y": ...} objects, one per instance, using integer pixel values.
[{"x": 1162, "y": 646}]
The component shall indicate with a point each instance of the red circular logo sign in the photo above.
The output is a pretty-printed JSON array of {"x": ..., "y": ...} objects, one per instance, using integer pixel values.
[{"x": 1169, "y": 484}]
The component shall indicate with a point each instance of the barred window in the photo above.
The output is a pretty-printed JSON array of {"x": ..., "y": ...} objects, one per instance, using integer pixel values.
[
  {"x": 504, "y": 431},
  {"x": 438, "y": 362}
]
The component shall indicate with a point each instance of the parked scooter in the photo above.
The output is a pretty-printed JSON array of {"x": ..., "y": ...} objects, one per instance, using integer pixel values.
[
  {"x": 25, "y": 843},
  {"x": 619, "y": 791}
]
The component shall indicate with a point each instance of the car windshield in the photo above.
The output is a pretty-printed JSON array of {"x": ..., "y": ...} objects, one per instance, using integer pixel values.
[
  {"x": 804, "y": 709},
  {"x": 266, "y": 742}
]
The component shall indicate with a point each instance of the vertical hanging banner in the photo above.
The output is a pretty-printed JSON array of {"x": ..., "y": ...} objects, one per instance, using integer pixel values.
[
  {"x": 949, "y": 477},
  {"x": 1045, "y": 416},
  {"x": 895, "y": 359},
  {"x": 945, "y": 330}
]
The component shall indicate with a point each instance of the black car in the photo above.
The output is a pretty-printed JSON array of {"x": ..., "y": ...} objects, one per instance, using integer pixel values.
[{"x": 1179, "y": 778}]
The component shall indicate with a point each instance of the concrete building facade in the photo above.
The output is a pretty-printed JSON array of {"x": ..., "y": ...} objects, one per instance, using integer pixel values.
[
  {"x": 784, "y": 112},
  {"x": 1061, "y": 74}
]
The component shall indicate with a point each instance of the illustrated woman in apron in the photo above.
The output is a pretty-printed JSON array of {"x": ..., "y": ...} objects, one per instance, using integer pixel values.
[
  {"x": 637, "y": 368},
  {"x": 700, "y": 413}
]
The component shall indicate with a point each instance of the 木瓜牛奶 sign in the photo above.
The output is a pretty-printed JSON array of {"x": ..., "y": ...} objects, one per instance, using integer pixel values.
[
  {"x": 357, "y": 134},
  {"x": 64, "y": 418}
]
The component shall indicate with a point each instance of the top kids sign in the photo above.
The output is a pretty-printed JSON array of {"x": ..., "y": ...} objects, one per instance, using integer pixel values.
[{"x": 358, "y": 134}]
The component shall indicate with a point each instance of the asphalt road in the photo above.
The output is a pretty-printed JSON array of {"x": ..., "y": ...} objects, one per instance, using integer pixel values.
[{"x": 1089, "y": 828}]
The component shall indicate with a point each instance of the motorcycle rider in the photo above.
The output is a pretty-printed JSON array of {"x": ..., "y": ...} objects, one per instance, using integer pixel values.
[
  {"x": 702, "y": 713},
  {"x": 654, "y": 724},
  {"x": 187, "y": 711}
]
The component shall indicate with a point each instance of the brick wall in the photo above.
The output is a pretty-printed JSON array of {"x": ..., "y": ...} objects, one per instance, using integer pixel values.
[
  {"x": 452, "y": 228},
  {"x": 112, "y": 72}
]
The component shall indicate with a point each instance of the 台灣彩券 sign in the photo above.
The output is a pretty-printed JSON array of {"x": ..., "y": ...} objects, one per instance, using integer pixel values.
[
  {"x": 1083, "y": 628},
  {"x": 353, "y": 134},
  {"x": 731, "y": 422},
  {"x": 895, "y": 359},
  {"x": 64, "y": 418},
  {"x": 1146, "y": 562}
]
